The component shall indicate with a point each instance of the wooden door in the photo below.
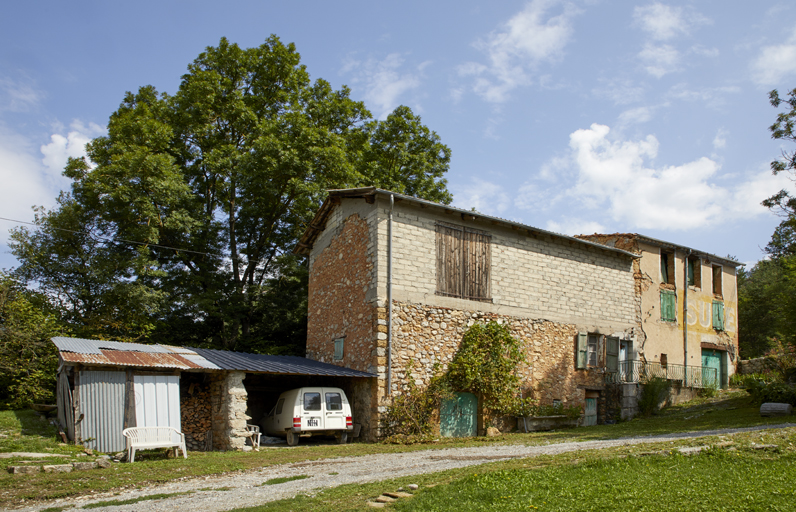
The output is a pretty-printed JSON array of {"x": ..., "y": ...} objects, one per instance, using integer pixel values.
[
  {"x": 591, "y": 412},
  {"x": 459, "y": 416}
]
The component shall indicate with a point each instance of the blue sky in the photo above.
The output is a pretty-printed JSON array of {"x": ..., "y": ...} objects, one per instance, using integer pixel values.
[{"x": 578, "y": 117}]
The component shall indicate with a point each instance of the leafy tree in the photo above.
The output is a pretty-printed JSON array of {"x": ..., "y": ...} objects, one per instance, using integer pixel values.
[
  {"x": 89, "y": 280},
  {"x": 28, "y": 358},
  {"x": 486, "y": 364},
  {"x": 782, "y": 129},
  {"x": 230, "y": 170}
]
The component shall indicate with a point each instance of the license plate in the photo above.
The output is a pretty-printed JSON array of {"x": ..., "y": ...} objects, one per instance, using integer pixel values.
[{"x": 313, "y": 422}]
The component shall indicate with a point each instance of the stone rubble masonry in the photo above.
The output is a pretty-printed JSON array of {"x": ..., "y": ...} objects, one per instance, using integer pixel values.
[
  {"x": 757, "y": 365},
  {"x": 431, "y": 335},
  {"x": 228, "y": 400}
]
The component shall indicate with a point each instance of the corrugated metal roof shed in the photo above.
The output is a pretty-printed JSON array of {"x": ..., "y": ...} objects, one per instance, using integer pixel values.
[
  {"x": 289, "y": 365},
  {"x": 115, "y": 353}
]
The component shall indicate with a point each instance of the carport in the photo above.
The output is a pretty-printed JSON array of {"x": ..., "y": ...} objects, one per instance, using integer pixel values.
[{"x": 106, "y": 386}]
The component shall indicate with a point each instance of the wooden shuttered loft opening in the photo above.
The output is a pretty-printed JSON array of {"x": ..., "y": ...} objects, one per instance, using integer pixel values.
[{"x": 464, "y": 262}]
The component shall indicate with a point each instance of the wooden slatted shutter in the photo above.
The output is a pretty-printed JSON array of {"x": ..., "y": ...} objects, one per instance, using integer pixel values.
[
  {"x": 668, "y": 306},
  {"x": 718, "y": 315},
  {"x": 477, "y": 264},
  {"x": 612, "y": 353},
  {"x": 582, "y": 351},
  {"x": 449, "y": 260}
]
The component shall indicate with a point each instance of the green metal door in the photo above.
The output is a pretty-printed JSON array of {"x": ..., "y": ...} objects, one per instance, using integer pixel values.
[
  {"x": 711, "y": 360},
  {"x": 459, "y": 416}
]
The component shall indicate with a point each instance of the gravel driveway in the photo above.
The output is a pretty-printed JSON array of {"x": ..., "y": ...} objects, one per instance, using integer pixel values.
[{"x": 246, "y": 489}]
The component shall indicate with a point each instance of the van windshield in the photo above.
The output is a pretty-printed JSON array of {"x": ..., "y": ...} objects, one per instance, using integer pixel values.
[
  {"x": 334, "y": 402},
  {"x": 312, "y": 401}
]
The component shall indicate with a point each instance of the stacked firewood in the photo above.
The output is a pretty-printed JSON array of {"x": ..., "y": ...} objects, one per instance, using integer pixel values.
[{"x": 196, "y": 417}]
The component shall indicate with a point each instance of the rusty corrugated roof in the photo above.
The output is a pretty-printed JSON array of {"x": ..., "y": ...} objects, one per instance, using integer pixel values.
[{"x": 129, "y": 358}]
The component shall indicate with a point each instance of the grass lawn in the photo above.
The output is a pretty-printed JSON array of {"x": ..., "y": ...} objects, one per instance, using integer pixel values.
[{"x": 24, "y": 431}]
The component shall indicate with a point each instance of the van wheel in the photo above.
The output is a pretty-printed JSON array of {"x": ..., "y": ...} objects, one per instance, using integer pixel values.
[
  {"x": 292, "y": 439},
  {"x": 342, "y": 438}
]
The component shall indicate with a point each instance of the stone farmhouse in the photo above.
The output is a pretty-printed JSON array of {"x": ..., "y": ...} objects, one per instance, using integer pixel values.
[
  {"x": 395, "y": 279},
  {"x": 689, "y": 311}
]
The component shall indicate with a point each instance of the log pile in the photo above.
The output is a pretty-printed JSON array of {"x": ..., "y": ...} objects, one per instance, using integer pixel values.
[{"x": 196, "y": 417}]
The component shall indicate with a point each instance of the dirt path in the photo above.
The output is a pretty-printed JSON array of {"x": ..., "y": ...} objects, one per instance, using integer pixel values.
[{"x": 246, "y": 489}]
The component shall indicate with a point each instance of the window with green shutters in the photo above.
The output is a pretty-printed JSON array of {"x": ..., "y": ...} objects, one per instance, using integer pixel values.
[
  {"x": 582, "y": 353},
  {"x": 612, "y": 353},
  {"x": 338, "y": 349},
  {"x": 718, "y": 315},
  {"x": 668, "y": 306}
]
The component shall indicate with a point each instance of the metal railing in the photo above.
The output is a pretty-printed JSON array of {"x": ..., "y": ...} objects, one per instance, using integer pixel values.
[{"x": 690, "y": 376}]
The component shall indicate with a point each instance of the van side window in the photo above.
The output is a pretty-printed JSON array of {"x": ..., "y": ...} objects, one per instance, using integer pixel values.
[
  {"x": 312, "y": 401},
  {"x": 279, "y": 405},
  {"x": 334, "y": 402}
]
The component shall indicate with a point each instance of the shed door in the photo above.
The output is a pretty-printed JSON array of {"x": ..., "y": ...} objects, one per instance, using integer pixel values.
[
  {"x": 459, "y": 416},
  {"x": 157, "y": 401},
  {"x": 101, "y": 405},
  {"x": 711, "y": 360}
]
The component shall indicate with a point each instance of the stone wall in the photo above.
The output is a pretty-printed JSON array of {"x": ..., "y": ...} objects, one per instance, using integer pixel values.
[
  {"x": 429, "y": 336},
  {"x": 228, "y": 401},
  {"x": 757, "y": 365},
  {"x": 338, "y": 306}
]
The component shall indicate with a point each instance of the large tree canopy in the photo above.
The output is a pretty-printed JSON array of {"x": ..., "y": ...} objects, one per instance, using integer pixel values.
[{"x": 220, "y": 179}]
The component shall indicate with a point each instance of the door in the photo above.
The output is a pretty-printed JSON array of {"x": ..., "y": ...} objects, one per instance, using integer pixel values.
[
  {"x": 157, "y": 401},
  {"x": 101, "y": 407},
  {"x": 624, "y": 363},
  {"x": 334, "y": 414},
  {"x": 459, "y": 416},
  {"x": 591, "y": 412},
  {"x": 312, "y": 417},
  {"x": 711, "y": 368}
]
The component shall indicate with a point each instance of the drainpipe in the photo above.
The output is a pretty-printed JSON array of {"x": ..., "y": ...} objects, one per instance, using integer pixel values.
[
  {"x": 685, "y": 317},
  {"x": 389, "y": 297}
]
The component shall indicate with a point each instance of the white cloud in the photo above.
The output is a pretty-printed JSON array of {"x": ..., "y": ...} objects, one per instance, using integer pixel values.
[
  {"x": 529, "y": 38},
  {"x": 575, "y": 226},
  {"x": 660, "y": 60},
  {"x": 18, "y": 95},
  {"x": 384, "y": 81},
  {"x": 486, "y": 197},
  {"x": 661, "y": 22},
  {"x": 635, "y": 116},
  {"x": 775, "y": 63},
  {"x": 72, "y": 145},
  {"x": 618, "y": 182},
  {"x": 621, "y": 92},
  {"x": 720, "y": 140},
  {"x": 711, "y": 96}
]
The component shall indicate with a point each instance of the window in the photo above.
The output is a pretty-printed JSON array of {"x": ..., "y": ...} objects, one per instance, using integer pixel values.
[
  {"x": 279, "y": 405},
  {"x": 334, "y": 402},
  {"x": 667, "y": 267},
  {"x": 338, "y": 349},
  {"x": 668, "y": 306},
  {"x": 717, "y": 281},
  {"x": 694, "y": 272},
  {"x": 312, "y": 401},
  {"x": 464, "y": 262},
  {"x": 718, "y": 315},
  {"x": 588, "y": 351},
  {"x": 612, "y": 353}
]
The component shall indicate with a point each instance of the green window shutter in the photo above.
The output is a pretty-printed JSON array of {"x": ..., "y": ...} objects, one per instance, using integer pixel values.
[
  {"x": 338, "y": 349},
  {"x": 582, "y": 353},
  {"x": 718, "y": 315},
  {"x": 668, "y": 306},
  {"x": 612, "y": 353}
]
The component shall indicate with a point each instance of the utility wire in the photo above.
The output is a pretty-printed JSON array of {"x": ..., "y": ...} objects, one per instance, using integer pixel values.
[{"x": 115, "y": 240}]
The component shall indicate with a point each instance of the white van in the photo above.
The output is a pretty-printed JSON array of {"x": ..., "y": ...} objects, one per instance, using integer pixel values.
[{"x": 306, "y": 412}]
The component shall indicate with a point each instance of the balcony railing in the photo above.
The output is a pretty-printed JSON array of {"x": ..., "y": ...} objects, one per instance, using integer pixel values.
[{"x": 639, "y": 371}]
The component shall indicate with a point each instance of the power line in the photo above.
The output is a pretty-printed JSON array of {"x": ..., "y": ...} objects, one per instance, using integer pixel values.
[{"x": 107, "y": 239}]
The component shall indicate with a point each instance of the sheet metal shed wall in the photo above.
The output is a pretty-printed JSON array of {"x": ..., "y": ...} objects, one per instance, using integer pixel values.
[{"x": 101, "y": 402}]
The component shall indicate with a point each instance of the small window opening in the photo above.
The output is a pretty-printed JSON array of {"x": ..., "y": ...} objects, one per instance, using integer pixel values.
[
  {"x": 694, "y": 272},
  {"x": 667, "y": 267},
  {"x": 338, "y": 349},
  {"x": 592, "y": 348},
  {"x": 717, "y": 280}
]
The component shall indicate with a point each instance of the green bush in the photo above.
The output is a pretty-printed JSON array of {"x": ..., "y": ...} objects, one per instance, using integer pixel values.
[
  {"x": 771, "y": 392},
  {"x": 653, "y": 392}
]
